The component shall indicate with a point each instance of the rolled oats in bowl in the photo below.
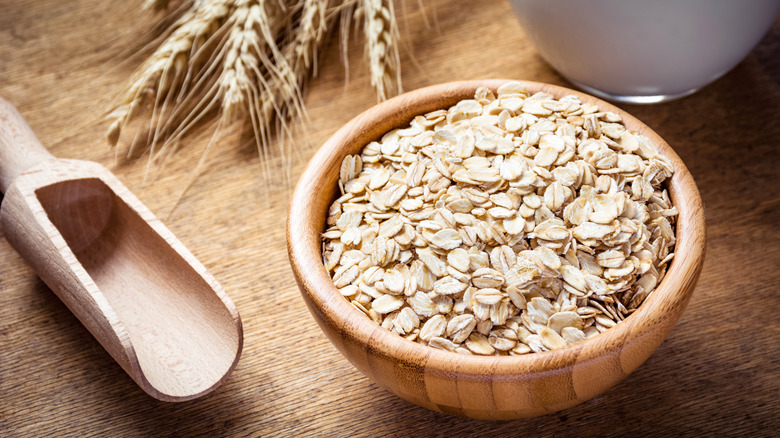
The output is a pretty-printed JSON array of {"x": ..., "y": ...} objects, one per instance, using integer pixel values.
[{"x": 504, "y": 225}]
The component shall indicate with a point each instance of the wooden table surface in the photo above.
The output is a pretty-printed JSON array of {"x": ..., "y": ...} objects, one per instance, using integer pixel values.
[{"x": 61, "y": 64}]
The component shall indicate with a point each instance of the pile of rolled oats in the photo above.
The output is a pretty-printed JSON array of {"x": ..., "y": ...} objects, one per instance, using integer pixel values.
[{"x": 506, "y": 224}]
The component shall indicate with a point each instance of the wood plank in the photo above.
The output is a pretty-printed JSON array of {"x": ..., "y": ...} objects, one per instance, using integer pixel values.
[{"x": 62, "y": 62}]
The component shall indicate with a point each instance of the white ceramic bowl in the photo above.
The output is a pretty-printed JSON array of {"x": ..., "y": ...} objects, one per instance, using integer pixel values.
[{"x": 644, "y": 51}]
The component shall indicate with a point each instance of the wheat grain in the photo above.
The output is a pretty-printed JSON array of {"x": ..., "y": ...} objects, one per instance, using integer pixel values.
[
  {"x": 310, "y": 34},
  {"x": 381, "y": 30}
]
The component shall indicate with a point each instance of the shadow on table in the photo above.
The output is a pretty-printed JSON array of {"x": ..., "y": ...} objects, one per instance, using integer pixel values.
[{"x": 672, "y": 394}]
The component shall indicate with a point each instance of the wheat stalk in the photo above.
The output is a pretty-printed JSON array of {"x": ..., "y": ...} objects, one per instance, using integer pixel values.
[
  {"x": 381, "y": 49},
  {"x": 245, "y": 60},
  {"x": 167, "y": 68}
]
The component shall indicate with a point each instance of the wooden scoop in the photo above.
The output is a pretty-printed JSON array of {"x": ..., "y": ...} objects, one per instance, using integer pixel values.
[{"x": 137, "y": 289}]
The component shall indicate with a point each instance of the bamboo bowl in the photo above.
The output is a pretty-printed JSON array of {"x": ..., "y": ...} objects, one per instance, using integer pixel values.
[{"x": 473, "y": 386}]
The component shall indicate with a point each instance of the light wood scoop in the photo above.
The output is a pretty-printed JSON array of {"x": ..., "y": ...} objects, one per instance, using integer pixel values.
[{"x": 137, "y": 289}]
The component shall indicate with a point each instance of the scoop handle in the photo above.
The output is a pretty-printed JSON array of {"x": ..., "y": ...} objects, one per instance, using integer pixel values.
[{"x": 20, "y": 149}]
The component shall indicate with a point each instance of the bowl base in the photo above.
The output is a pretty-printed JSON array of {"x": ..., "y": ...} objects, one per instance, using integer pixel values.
[{"x": 641, "y": 99}]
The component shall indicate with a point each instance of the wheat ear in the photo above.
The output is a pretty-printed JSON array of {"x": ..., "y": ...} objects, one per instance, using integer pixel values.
[
  {"x": 246, "y": 60},
  {"x": 168, "y": 65},
  {"x": 381, "y": 30}
]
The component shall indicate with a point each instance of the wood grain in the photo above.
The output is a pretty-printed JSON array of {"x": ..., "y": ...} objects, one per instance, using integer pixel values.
[
  {"x": 715, "y": 375},
  {"x": 19, "y": 148}
]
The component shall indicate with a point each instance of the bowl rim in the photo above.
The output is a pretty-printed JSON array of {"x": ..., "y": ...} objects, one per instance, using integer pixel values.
[{"x": 304, "y": 244}]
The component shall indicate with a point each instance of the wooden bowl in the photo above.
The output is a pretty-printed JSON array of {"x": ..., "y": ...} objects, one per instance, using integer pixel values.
[{"x": 490, "y": 387}]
